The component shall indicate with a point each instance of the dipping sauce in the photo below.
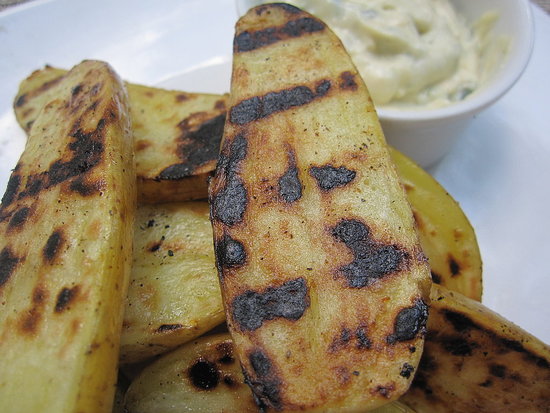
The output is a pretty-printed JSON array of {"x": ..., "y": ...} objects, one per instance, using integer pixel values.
[{"x": 413, "y": 54}]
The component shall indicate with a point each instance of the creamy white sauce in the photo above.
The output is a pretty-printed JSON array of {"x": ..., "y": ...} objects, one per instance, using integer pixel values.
[{"x": 412, "y": 53}]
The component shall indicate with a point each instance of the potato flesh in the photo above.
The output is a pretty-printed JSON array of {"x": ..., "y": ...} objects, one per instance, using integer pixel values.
[
  {"x": 66, "y": 224},
  {"x": 174, "y": 294},
  {"x": 322, "y": 340}
]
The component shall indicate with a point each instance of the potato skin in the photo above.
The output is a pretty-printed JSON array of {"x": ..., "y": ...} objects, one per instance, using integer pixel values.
[
  {"x": 476, "y": 361},
  {"x": 324, "y": 282},
  {"x": 66, "y": 240}
]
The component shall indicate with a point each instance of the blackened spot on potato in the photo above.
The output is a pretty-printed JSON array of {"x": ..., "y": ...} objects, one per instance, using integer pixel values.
[
  {"x": 8, "y": 262},
  {"x": 372, "y": 260},
  {"x": 19, "y": 218},
  {"x": 81, "y": 187},
  {"x": 230, "y": 253},
  {"x": 459, "y": 321},
  {"x": 163, "y": 328},
  {"x": 53, "y": 245},
  {"x": 363, "y": 341},
  {"x": 21, "y": 100},
  {"x": 229, "y": 204},
  {"x": 225, "y": 350},
  {"x": 11, "y": 189},
  {"x": 64, "y": 298},
  {"x": 204, "y": 374},
  {"x": 385, "y": 391},
  {"x": 458, "y": 346},
  {"x": 290, "y": 187},
  {"x": 436, "y": 278},
  {"x": 34, "y": 185},
  {"x": 196, "y": 147},
  {"x": 251, "y": 309},
  {"x": 341, "y": 340},
  {"x": 259, "y": 107},
  {"x": 265, "y": 383},
  {"x": 410, "y": 322},
  {"x": 155, "y": 247},
  {"x": 261, "y": 364},
  {"x": 76, "y": 90},
  {"x": 486, "y": 383},
  {"x": 252, "y": 40},
  {"x": 516, "y": 346},
  {"x": 286, "y": 7},
  {"x": 150, "y": 223},
  {"x": 497, "y": 370},
  {"x": 406, "y": 370},
  {"x": 347, "y": 81},
  {"x": 229, "y": 381},
  {"x": 329, "y": 177},
  {"x": 454, "y": 267}
]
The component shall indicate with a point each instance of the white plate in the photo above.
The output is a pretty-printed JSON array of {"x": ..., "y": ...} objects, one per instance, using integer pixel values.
[{"x": 499, "y": 171}]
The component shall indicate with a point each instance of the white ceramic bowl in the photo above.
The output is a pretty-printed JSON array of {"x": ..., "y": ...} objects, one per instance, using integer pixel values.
[{"x": 427, "y": 135}]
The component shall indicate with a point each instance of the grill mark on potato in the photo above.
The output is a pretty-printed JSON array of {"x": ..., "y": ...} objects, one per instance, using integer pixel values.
[
  {"x": 19, "y": 218},
  {"x": 329, "y": 177},
  {"x": 284, "y": 6},
  {"x": 436, "y": 278},
  {"x": 406, "y": 370},
  {"x": 265, "y": 383},
  {"x": 81, "y": 187},
  {"x": 65, "y": 297},
  {"x": 163, "y": 328},
  {"x": 11, "y": 190},
  {"x": 204, "y": 374},
  {"x": 363, "y": 341},
  {"x": 22, "y": 99},
  {"x": 290, "y": 187},
  {"x": 259, "y": 107},
  {"x": 409, "y": 322},
  {"x": 341, "y": 340},
  {"x": 8, "y": 264},
  {"x": 347, "y": 81},
  {"x": 251, "y": 40},
  {"x": 53, "y": 245},
  {"x": 229, "y": 204},
  {"x": 457, "y": 345},
  {"x": 197, "y": 146},
  {"x": 251, "y": 309},
  {"x": 454, "y": 266},
  {"x": 372, "y": 260},
  {"x": 230, "y": 253}
]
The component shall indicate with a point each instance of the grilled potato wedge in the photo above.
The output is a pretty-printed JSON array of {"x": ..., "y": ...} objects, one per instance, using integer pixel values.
[
  {"x": 202, "y": 376},
  {"x": 177, "y": 134},
  {"x": 455, "y": 263},
  {"x": 476, "y": 361},
  {"x": 446, "y": 235},
  {"x": 324, "y": 282},
  {"x": 66, "y": 224},
  {"x": 174, "y": 295}
]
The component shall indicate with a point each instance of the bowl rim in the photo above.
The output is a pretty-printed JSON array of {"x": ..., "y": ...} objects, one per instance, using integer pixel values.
[{"x": 478, "y": 101}]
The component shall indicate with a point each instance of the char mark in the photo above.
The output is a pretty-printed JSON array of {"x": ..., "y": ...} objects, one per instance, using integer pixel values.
[
  {"x": 289, "y": 301},
  {"x": 409, "y": 322},
  {"x": 19, "y": 218},
  {"x": 259, "y": 107},
  {"x": 264, "y": 381},
  {"x": 163, "y": 328},
  {"x": 52, "y": 246},
  {"x": 64, "y": 298},
  {"x": 329, "y": 177},
  {"x": 229, "y": 204},
  {"x": 11, "y": 190},
  {"x": 196, "y": 147},
  {"x": 290, "y": 187},
  {"x": 8, "y": 263},
  {"x": 347, "y": 81},
  {"x": 251, "y": 40},
  {"x": 372, "y": 260},
  {"x": 230, "y": 253},
  {"x": 204, "y": 374},
  {"x": 406, "y": 370}
]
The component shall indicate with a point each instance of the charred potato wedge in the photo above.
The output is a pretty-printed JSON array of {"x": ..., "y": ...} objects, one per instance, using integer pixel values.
[
  {"x": 202, "y": 376},
  {"x": 324, "y": 282},
  {"x": 177, "y": 134},
  {"x": 66, "y": 224},
  {"x": 476, "y": 361},
  {"x": 174, "y": 295},
  {"x": 446, "y": 235}
]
